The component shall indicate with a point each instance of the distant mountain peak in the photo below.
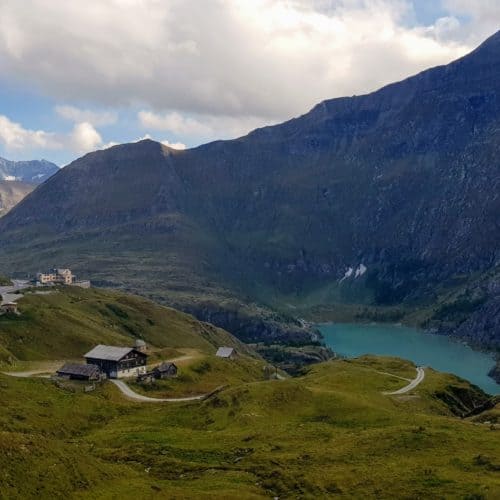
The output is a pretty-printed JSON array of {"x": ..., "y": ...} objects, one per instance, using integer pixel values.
[{"x": 31, "y": 171}]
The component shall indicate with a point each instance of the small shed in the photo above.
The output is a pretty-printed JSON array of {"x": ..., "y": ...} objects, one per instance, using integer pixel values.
[
  {"x": 165, "y": 370},
  {"x": 74, "y": 371},
  {"x": 9, "y": 308},
  {"x": 226, "y": 352}
]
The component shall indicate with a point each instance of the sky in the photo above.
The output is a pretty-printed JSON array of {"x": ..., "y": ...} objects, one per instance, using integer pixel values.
[{"x": 76, "y": 76}]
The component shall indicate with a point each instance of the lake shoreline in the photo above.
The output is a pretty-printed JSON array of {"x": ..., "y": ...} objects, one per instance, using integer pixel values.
[{"x": 455, "y": 355}]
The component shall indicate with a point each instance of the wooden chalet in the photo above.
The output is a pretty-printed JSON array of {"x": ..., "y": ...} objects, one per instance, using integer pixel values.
[{"x": 118, "y": 362}]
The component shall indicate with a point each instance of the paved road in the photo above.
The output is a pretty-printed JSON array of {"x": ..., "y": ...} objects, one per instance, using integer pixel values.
[
  {"x": 407, "y": 388},
  {"x": 127, "y": 391}
]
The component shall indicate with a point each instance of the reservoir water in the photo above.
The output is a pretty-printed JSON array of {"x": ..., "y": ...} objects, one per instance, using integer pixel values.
[{"x": 436, "y": 351}]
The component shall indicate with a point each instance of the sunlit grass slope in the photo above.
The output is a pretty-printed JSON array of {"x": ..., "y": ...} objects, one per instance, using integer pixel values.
[{"x": 68, "y": 322}]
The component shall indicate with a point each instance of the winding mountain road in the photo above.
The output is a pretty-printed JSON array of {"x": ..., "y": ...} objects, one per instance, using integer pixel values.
[
  {"x": 127, "y": 391},
  {"x": 407, "y": 388}
]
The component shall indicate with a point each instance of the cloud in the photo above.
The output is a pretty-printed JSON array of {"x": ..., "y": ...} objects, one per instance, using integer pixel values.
[
  {"x": 270, "y": 59},
  {"x": 96, "y": 118},
  {"x": 201, "y": 127},
  {"x": 81, "y": 139},
  {"x": 84, "y": 138},
  {"x": 166, "y": 142},
  {"x": 174, "y": 122},
  {"x": 14, "y": 136},
  {"x": 482, "y": 18},
  {"x": 174, "y": 145}
]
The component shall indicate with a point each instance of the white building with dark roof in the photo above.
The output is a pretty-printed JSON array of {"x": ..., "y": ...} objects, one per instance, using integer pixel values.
[{"x": 117, "y": 362}]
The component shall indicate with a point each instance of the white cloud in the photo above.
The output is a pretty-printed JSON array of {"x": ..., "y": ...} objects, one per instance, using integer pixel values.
[
  {"x": 84, "y": 138},
  {"x": 77, "y": 115},
  {"x": 81, "y": 139},
  {"x": 483, "y": 18},
  {"x": 166, "y": 142},
  {"x": 200, "y": 127},
  {"x": 14, "y": 136},
  {"x": 174, "y": 145},
  {"x": 173, "y": 122},
  {"x": 225, "y": 58}
]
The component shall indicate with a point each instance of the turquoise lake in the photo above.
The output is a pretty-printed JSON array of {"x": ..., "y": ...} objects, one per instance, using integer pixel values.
[{"x": 436, "y": 351}]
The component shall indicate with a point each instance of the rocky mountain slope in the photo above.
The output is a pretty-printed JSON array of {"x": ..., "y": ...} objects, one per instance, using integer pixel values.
[
  {"x": 376, "y": 199},
  {"x": 32, "y": 171},
  {"x": 11, "y": 193}
]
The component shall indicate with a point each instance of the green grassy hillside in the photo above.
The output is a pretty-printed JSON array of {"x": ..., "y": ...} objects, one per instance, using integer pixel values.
[
  {"x": 328, "y": 434},
  {"x": 204, "y": 375},
  {"x": 69, "y": 321}
]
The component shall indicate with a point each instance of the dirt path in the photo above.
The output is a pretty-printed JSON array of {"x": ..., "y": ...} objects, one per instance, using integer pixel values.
[
  {"x": 30, "y": 373},
  {"x": 39, "y": 368},
  {"x": 127, "y": 391},
  {"x": 407, "y": 388}
]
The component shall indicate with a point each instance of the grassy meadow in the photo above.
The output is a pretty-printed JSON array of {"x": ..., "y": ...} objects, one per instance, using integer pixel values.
[{"x": 330, "y": 433}]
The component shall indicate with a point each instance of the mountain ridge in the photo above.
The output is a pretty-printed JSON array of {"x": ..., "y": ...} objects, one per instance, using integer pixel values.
[{"x": 399, "y": 183}]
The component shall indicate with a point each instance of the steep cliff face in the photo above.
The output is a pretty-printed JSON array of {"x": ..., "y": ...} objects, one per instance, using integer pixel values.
[
  {"x": 377, "y": 198},
  {"x": 403, "y": 181}
]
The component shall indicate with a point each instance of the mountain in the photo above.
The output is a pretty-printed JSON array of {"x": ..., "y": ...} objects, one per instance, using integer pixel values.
[
  {"x": 11, "y": 193},
  {"x": 33, "y": 171},
  {"x": 388, "y": 199}
]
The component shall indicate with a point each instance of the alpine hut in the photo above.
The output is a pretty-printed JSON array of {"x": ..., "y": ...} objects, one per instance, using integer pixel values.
[{"x": 117, "y": 362}]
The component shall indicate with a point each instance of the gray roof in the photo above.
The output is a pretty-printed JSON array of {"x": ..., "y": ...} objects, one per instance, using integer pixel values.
[
  {"x": 108, "y": 352},
  {"x": 76, "y": 369},
  {"x": 163, "y": 367},
  {"x": 224, "y": 352}
]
